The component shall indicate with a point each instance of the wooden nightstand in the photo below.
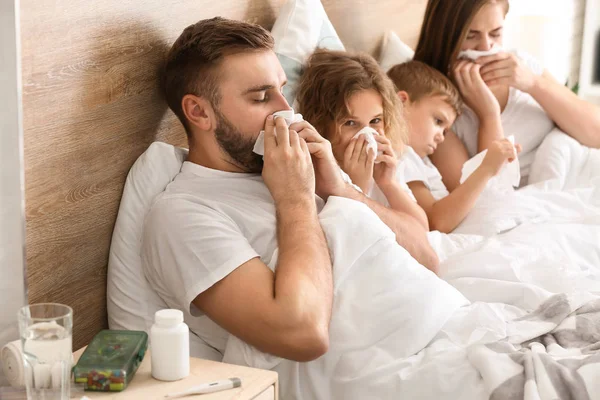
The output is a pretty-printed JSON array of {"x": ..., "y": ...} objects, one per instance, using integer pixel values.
[{"x": 257, "y": 384}]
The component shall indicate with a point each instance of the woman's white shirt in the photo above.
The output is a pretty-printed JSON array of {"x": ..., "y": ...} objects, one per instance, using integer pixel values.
[{"x": 522, "y": 117}]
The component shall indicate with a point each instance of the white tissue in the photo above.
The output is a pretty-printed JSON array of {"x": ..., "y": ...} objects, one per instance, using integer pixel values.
[
  {"x": 290, "y": 118},
  {"x": 12, "y": 364},
  {"x": 508, "y": 177},
  {"x": 369, "y": 134},
  {"x": 475, "y": 54}
]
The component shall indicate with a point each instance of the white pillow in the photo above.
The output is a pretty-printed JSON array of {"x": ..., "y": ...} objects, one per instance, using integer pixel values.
[
  {"x": 130, "y": 300},
  {"x": 301, "y": 27},
  {"x": 394, "y": 51}
]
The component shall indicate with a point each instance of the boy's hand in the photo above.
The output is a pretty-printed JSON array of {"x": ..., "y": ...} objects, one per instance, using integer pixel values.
[{"x": 500, "y": 152}]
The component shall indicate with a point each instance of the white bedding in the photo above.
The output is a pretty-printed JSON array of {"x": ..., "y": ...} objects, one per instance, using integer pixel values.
[
  {"x": 498, "y": 211},
  {"x": 560, "y": 159},
  {"x": 397, "y": 331},
  {"x": 504, "y": 276}
]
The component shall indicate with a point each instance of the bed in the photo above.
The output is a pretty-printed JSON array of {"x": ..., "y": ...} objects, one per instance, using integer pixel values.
[
  {"x": 91, "y": 106},
  {"x": 532, "y": 280}
]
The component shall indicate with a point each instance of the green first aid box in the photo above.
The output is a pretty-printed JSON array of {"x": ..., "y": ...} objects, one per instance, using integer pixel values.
[{"x": 110, "y": 361}]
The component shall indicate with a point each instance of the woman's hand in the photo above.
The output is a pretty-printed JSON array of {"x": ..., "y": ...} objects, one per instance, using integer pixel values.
[
  {"x": 359, "y": 163},
  {"x": 506, "y": 69},
  {"x": 384, "y": 172},
  {"x": 476, "y": 94}
]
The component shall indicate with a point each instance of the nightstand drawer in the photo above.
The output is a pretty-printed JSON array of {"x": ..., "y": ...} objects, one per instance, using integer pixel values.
[{"x": 268, "y": 394}]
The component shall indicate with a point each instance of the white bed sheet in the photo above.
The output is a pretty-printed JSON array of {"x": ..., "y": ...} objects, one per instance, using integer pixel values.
[{"x": 504, "y": 276}]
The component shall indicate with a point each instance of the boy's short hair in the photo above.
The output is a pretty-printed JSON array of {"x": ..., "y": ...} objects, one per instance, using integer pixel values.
[
  {"x": 192, "y": 63},
  {"x": 420, "y": 80}
]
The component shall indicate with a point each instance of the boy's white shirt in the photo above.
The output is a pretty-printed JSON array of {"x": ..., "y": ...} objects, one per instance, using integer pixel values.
[{"x": 417, "y": 169}]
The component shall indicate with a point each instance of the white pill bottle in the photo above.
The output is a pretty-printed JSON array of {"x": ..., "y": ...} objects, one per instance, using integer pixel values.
[{"x": 170, "y": 346}]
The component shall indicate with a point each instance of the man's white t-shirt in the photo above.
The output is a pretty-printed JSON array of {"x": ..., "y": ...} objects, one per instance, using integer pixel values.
[
  {"x": 417, "y": 169},
  {"x": 522, "y": 117},
  {"x": 200, "y": 229}
]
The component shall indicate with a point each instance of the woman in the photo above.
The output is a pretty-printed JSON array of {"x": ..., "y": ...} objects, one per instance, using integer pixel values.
[{"x": 507, "y": 93}]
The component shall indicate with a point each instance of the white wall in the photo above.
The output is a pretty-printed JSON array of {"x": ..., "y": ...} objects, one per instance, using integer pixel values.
[
  {"x": 12, "y": 230},
  {"x": 590, "y": 90},
  {"x": 550, "y": 30}
]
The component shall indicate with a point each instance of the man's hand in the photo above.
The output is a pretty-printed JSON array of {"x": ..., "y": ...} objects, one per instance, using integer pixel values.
[
  {"x": 328, "y": 175},
  {"x": 288, "y": 170}
]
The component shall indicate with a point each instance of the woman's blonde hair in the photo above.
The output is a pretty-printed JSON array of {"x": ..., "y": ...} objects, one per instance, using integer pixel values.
[{"x": 329, "y": 81}]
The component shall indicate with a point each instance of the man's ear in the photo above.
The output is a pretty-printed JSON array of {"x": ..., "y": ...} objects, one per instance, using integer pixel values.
[
  {"x": 199, "y": 112},
  {"x": 404, "y": 97}
]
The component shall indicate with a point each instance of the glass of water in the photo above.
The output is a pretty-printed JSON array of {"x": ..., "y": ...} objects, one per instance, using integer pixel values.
[{"x": 46, "y": 331}]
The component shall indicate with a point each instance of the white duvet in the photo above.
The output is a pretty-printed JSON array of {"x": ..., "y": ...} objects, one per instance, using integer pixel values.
[
  {"x": 560, "y": 159},
  {"x": 399, "y": 332},
  {"x": 563, "y": 185}
]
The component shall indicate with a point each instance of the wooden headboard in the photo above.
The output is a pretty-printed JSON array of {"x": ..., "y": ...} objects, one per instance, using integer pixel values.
[{"x": 91, "y": 106}]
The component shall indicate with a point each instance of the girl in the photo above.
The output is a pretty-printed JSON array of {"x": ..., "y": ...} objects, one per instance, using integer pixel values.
[
  {"x": 431, "y": 104},
  {"x": 343, "y": 93}
]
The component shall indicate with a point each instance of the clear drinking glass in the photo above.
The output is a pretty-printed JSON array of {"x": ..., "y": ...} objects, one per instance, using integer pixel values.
[{"x": 46, "y": 331}]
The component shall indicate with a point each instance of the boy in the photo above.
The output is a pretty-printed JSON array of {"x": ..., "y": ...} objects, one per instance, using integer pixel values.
[{"x": 431, "y": 105}]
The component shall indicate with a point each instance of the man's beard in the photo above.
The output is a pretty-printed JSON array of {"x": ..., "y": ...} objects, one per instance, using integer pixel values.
[{"x": 237, "y": 146}]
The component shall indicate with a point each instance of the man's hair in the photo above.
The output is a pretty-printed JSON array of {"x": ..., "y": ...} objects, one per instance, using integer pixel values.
[
  {"x": 420, "y": 81},
  {"x": 329, "y": 81},
  {"x": 192, "y": 63}
]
